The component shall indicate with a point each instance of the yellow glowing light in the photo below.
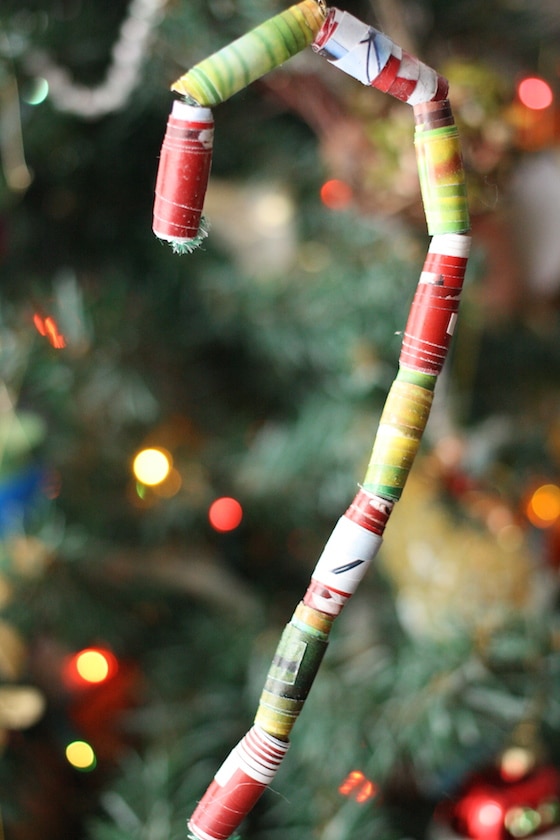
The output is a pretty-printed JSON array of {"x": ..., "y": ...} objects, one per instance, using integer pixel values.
[
  {"x": 543, "y": 509},
  {"x": 90, "y": 666},
  {"x": 81, "y": 755},
  {"x": 93, "y": 666},
  {"x": 152, "y": 466},
  {"x": 515, "y": 764}
]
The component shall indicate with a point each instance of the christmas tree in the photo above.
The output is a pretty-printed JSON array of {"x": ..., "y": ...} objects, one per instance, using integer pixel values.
[{"x": 179, "y": 433}]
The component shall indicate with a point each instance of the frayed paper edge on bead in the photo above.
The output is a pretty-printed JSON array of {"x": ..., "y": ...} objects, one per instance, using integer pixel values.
[{"x": 192, "y": 244}]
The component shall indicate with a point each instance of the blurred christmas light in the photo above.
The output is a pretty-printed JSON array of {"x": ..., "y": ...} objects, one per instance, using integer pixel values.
[
  {"x": 141, "y": 490},
  {"x": 95, "y": 666},
  {"x": 357, "y": 786},
  {"x": 515, "y": 763},
  {"x": 272, "y": 211},
  {"x": 549, "y": 811},
  {"x": 47, "y": 327},
  {"x": 543, "y": 508},
  {"x": 152, "y": 466},
  {"x": 36, "y": 91},
  {"x": 535, "y": 93},
  {"x": 89, "y": 666},
  {"x": 485, "y": 815},
  {"x": 81, "y": 756},
  {"x": 521, "y": 822},
  {"x": 170, "y": 486},
  {"x": 21, "y": 706},
  {"x": 225, "y": 514},
  {"x": 336, "y": 194},
  {"x": 39, "y": 322}
]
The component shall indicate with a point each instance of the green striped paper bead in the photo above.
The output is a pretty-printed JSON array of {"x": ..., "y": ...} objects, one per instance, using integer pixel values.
[
  {"x": 291, "y": 675},
  {"x": 246, "y": 59}
]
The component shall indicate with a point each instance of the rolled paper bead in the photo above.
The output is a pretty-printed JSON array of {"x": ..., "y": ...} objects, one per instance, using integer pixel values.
[
  {"x": 446, "y": 260},
  {"x": 246, "y": 59},
  {"x": 433, "y": 114},
  {"x": 434, "y": 309},
  {"x": 398, "y": 437},
  {"x": 369, "y": 511},
  {"x": 429, "y": 328},
  {"x": 290, "y": 677},
  {"x": 237, "y": 786},
  {"x": 342, "y": 565},
  {"x": 183, "y": 173},
  {"x": 442, "y": 178},
  {"x": 316, "y": 622},
  {"x": 375, "y": 60}
]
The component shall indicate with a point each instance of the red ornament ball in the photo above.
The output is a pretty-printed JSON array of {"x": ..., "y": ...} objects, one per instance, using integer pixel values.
[{"x": 492, "y": 806}]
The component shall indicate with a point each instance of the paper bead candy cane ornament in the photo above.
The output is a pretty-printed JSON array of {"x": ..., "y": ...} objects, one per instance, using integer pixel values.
[
  {"x": 377, "y": 61},
  {"x": 248, "y": 58}
]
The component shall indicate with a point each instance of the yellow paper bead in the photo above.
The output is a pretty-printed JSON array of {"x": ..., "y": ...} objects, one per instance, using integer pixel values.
[
  {"x": 277, "y": 715},
  {"x": 442, "y": 180},
  {"x": 398, "y": 438}
]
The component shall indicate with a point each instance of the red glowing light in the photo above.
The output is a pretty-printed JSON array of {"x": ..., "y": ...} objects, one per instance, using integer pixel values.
[
  {"x": 336, "y": 194},
  {"x": 47, "y": 327},
  {"x": 90, "y": 666},
  {"x": 357, "y": 786},
  {"x": 535, "y": 93},
  {"x": 489, "y": 814},
  {"x": 482, "y": 816},
  {"x": 225, "y": 514}
]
